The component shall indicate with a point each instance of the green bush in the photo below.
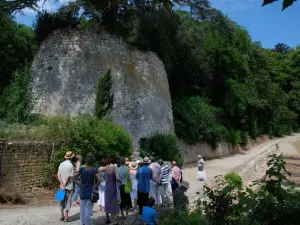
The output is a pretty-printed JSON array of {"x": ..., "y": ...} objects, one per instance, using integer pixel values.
[
  {"x": 162, "y": 146},
  {"x": 234, "y": 180},
  {"x": 81, "y": 134},
  {"x": 17, "y": 100},
  {"x": 234, "y": 137},
  {"x": 196, "y": 120},
  {"x": 244, "y": 138},
  {"x": 175, "y": 217},
  {"x": 46, "y": 22}
]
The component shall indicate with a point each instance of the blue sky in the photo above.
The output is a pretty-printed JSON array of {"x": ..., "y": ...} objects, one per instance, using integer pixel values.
[{"x": 268, "y": 24}]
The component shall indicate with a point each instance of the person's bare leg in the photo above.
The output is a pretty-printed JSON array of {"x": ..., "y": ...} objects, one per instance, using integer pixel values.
[
  {"x": 62, "y": 214},
  {"x": 66, "y": 214}
]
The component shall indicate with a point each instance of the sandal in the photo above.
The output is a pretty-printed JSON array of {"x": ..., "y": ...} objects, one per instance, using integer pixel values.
[
  {"x": 66, "y": 220},
  {"x": 61, "y": 218}
]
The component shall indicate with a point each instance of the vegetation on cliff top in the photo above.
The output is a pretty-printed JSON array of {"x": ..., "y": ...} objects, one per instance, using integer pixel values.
[{"x": 223, "y": 85}]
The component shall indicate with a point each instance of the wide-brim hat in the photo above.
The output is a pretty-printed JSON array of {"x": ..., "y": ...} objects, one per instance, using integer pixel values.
[
  {"x": 133, "y": 165},
  {"x": 185, "y": 184},
  {"x": 69, "y": 155},
  {"x": 146, "y": 160},
  {"x": 199, "y": 156}
]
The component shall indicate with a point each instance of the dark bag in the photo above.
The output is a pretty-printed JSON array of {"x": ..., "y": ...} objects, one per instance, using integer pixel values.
[
  {"x": 95, "y": 193},
  {"x": 95, "y": 196}
]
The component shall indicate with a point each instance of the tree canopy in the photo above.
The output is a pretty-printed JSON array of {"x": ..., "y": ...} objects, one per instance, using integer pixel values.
[{"x": 223, "y": 85}]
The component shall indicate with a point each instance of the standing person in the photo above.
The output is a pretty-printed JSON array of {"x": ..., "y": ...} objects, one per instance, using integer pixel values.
[
  {"x": 143, "y": 176},
  {"x": 126, "y": 203},
  {"x": 155, "y": 182},
  {"x": 176, "y": 176},
  {"x": 101, "y": 187},
  {"x": 77, "y": 188},
  {"x": 111, "y": 190},
  {"x": 65, "y": 178},
  {"x": 88, "y": 174},
  {"x": 201, "y": 171},
  {"x": 133, "y": 194},
  {"x": 164, "y": 190}
]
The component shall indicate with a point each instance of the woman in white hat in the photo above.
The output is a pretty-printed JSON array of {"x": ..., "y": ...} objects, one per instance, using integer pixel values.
[
  {"x": 133, "y": 194},
  {"x": 201, "y": 172}
]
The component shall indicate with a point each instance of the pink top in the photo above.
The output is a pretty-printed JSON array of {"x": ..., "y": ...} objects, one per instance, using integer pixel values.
[
  {"x": 176, "y": 173},
  {"x": 156, "y": 172}
]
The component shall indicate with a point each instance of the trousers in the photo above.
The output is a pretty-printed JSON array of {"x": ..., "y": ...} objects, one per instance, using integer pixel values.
[
  {"x": 142, "y": 201},
  {"x": 86, "y": 209}
]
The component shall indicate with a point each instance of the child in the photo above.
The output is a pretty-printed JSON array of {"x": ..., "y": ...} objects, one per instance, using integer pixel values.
[{"x": 149, "y": 215}]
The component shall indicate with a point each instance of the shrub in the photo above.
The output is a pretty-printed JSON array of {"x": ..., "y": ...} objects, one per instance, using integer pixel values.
[
  {"x": 234, "y": 137},
  {"x": 17, "y": 101},
  {"x": 162, "y": 146},
  {"x": 104, "y": 97},
  {"x": 66, "y": 17},
  {"x": 81, "y": 134},
  {"x": 196, "y": 120},
  {"x": 244, "y": 138},
  {"x": 234, "y": 180}
]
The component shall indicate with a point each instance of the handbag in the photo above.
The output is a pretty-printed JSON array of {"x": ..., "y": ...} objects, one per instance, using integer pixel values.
[
  {"x": 95, "y": 193},
  {"x": 60, "y": 195},
  {"x": 95, "y": 196},
  {"x": 128, "y": 183}
]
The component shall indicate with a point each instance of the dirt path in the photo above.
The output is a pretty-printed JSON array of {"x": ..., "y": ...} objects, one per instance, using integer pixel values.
[{"x": 49, "y": 215}]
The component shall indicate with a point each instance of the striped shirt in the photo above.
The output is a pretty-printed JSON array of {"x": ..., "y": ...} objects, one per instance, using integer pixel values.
[{"x": 165, "y": 174}]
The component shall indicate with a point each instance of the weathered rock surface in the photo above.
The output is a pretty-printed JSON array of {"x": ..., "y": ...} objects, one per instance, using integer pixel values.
[{"x": 66, "y": 69}]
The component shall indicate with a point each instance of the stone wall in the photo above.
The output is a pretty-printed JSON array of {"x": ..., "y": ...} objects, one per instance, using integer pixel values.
[
  {"x": 190, "y": 152},
  {"x": 66, "y": 69},
  {"x": 24, "y": 163}
]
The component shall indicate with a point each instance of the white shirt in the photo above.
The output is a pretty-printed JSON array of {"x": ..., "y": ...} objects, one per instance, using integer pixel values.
[{"x": 65, "y": 170}]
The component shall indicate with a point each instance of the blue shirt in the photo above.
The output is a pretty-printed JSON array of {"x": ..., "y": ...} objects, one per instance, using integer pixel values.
[
  {"x": 123, "y": 171},
  {"x": 149, "y": 215},
  {"x": 87, "y": 183},
  {"x": 143, "y": 176}
]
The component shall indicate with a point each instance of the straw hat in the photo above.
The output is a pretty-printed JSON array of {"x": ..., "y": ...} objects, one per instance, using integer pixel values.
[
  {"x": 127, "y": 161},
  {"x": 133, "y": 165},
  {"x": 69, "y": 155},
  {"x": 146, "y": 160},
  {"x": 185, "y": 184}
]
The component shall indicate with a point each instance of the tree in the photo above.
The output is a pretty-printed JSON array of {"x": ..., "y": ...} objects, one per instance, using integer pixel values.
[
  {"x": 17, "y": 46},
  {"x": 285, "y": 3},
  {"x": 282, "y": 48}
]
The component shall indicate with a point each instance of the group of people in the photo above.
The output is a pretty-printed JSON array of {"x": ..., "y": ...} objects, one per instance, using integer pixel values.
[{"x": 140, "y": 185}]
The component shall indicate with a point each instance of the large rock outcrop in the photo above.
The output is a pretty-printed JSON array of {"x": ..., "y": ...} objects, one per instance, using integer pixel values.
[{"x": 66, "y": 69}]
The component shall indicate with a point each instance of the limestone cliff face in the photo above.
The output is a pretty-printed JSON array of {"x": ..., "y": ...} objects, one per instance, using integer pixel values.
[{"x": 66, "y": 69}]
